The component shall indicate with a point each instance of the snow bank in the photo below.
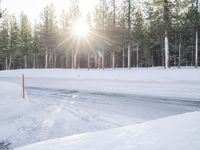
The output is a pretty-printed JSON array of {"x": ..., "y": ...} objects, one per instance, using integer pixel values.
[
  {"x": 156, "y": 74},
  {"x": 177, "y": 83},
  {"x": 11, "y": 101},
  {"x": 181, "y": 132},
  {"x": 12, "y": 107}
]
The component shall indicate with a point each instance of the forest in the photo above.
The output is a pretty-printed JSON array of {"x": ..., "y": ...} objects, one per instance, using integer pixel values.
[{"x": 122, "y": 34}]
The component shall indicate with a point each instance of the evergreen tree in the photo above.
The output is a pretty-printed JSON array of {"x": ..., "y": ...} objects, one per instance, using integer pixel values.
[
  {"x": 25, "y": 40},
  {"x": 48, "y": 34}
]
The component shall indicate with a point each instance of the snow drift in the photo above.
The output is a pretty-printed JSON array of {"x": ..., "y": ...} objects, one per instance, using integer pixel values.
[
  {"x": 13, "y": 107},
  {"x": 181, "y": 132},
  {"x": 11, "y": 101}
]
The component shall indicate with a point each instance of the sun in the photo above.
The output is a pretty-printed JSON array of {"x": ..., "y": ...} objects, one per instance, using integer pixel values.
[{"x": 81, "y": 28}]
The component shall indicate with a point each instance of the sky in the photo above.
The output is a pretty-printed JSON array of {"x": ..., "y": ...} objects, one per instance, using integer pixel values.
[{"x": 33, "y": 7}]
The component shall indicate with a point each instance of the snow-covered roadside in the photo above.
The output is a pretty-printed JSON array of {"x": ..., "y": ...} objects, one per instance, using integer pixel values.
[
  {"x": 181, "y": 83},
  {"x": 180, "y": 132},
  {"x": 11, "y": 101},
  {"x": 12, "y": 108}
]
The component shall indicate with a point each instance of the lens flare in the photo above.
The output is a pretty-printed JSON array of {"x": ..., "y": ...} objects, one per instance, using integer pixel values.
[{"x": 81, "y": 28}]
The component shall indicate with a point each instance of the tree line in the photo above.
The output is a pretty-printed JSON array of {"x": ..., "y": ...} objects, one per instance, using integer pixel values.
[{"x": 123, "y": 33}]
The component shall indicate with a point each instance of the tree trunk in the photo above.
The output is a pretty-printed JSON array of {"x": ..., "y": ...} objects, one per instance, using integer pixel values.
[
  {"x": 129, "y": 32},
  {"x": 10, "y": 62},
  {"x": 179, "y": 55},
  {"x": 25, "y": 62},
  {"x": 129, "y": 56},
  {"x": 95, "y": 62},
  {"x": 72, "y": 60},
  {"x": 49, "y": 60},
  {"x": 34, "y": 60},
  {"x": 123, "y": 59},
  {"x": 46, "y": 59},
  {"x": 6, "y": 63},
  {"x": 66, "y": 61},
  {"x": 88, "y": 61},
  {"x": 113, "y": 58},
  {"x": 79, "y": 60},
  {"x": 137, "y": 59},
  {"x": 166, "y": 51},
  {"x": 103, "y": 59},
  {"x": 55, "y": 60},
  {"x": 75, "y": 60},
  {"x": 52, "y": 59},
  {"x": 196, "y": 51}
]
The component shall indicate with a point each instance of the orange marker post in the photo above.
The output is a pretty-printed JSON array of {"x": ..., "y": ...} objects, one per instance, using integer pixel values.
[{"x": 23, "y": 93}]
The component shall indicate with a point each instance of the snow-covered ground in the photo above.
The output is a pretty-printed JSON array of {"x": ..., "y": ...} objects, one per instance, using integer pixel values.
[
  {"x": 63, "y": 102},
  {"x": 180, "y": 83},
  {"x": 181, "y": 132}
]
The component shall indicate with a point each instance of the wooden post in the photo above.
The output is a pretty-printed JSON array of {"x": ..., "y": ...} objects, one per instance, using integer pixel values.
[{"x": 23, "y": 93}]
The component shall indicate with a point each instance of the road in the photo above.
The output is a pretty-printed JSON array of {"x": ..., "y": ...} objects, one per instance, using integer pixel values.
[{"x": 125, "y": 105}]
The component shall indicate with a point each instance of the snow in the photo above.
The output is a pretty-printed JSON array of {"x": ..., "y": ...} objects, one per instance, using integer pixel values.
[
  {"x": 66, "y": 102},
  {"x": 177, "y": 83},
  {"x": 12, "y": 108},
  {"x": 11, "y": 96},
  {"x": 180, "y": 132}
]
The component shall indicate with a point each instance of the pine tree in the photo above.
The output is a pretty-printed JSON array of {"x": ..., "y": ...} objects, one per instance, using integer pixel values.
[
  {"x": 4, "y": 42},
  {"x": 14, "y": 41},
  {"x": 26, "y": 39},
  {"x": 48, "y": 34}
]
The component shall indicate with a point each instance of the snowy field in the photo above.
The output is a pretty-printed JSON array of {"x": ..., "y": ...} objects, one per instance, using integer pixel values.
[{"x": 63, "y": 102}]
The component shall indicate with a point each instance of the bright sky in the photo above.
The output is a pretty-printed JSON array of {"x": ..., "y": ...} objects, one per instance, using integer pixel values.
[{"x": 33, "y": 7}]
